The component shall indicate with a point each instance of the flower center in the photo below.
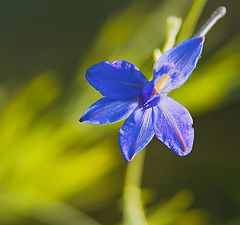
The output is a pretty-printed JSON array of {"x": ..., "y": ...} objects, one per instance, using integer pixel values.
[
  {"x": 151, "y": 93},
  {"x": 162, "y": 83}
]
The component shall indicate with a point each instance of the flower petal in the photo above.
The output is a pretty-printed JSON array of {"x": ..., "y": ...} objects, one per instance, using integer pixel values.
[
  {"x": 136, "y": 132},
  {"x": 108, "y": 110},
  {"x": 178, "y": 62},
  {"x": 172, "y": 124},
  {"x": 117, "y": 80}
]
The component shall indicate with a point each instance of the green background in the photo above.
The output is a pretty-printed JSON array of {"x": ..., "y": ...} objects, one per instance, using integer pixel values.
[{"x": 54, "y": 170}]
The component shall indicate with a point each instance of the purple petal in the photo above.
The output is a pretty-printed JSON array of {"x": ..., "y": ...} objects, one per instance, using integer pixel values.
[
  {"x": 136, "y": 132},
  {"x": 149, "y": 97},
  {"x": 179, "y": 62},
  {"x": 118, "y": 80},
  {"x": 172, "y": 124},
  {"x": 108, "y": 110}
]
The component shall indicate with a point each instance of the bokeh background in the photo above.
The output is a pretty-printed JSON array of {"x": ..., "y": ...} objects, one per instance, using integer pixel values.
[{"x": 56, "y": 171}]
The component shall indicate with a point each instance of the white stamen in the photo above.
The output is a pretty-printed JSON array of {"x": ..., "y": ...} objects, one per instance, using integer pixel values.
[
  {"x": 156, "y": 54},
  {"x": 217, "y": 14}
]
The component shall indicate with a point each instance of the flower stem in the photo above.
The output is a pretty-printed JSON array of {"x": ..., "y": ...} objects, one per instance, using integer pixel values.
[{"x": 133, "y": 212}]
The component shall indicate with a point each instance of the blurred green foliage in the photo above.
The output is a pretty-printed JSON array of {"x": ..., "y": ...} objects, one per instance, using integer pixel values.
[
  {"x": 56, "y": 171},
  {"x": 43, "y": 163}
]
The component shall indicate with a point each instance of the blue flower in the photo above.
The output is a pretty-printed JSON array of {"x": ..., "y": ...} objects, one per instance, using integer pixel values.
[{"x": 150, "y": 111}]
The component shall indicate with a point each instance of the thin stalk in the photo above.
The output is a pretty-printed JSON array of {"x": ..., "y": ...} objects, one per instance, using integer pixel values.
[
  {"x": 173, "y": 25},
  {"x": 217, "y": 14},
  {"x": 133, "y": 212}
]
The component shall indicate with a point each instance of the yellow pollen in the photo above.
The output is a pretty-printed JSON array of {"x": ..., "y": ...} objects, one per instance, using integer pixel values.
[{"x": 161, "y": 81}]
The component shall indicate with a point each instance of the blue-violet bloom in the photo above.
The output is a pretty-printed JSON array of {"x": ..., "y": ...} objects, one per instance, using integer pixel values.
[{"x": 150, "y": 111}]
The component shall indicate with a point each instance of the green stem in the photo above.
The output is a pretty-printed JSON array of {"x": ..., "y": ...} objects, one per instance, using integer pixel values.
[{"x": 133, "y": 212}]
